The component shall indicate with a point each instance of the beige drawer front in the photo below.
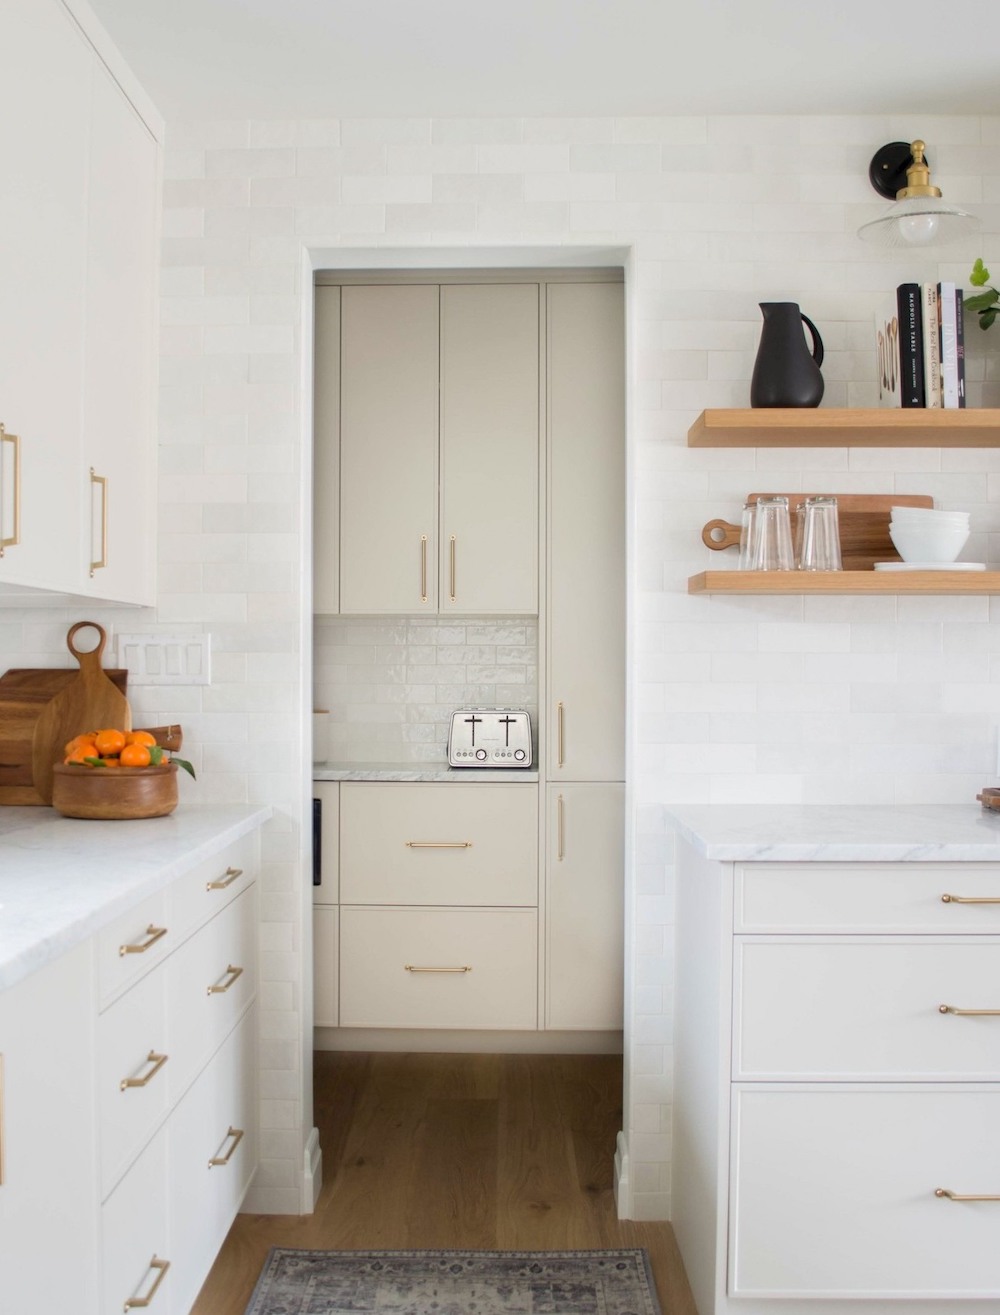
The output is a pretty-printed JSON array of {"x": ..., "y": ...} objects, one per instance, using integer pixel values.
[
  {"x": 464, "y": 968},
  {"x": 134, "y": 1074},
  {"x": 136, "y": 1252},
  {"x": 863, "y": 897},
  {"x": 833, "y": 1193},
  {"x": 441, "y": 844},
  {"x": 132, "y": 944},
  {"x": 210, "y": 981},
  {"x": 866, "y": 1008},
  {"x": 209, "y": 887}
]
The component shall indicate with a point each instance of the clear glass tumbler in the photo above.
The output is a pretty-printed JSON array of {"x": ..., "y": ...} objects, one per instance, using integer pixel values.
[
  {"x": 746, "y": 538},
  {"x": 772, "y": 536},
  {"x": 817, "y": 546}
]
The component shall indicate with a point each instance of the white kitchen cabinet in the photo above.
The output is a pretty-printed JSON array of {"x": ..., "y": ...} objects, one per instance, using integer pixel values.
[
  {"x": 326, "y": 965},
  {"x": 326, "y": 453},
  {"x": 584, "y": 919},
  {"x": 830, "y": 1083},
  {"x": 585, "y": 344},
  {"x": 326, "y": 863},
  {"x": 438, "y": 429},
  {"x": 48, "y": 1156},
  {"x": 78, "y": 260}
]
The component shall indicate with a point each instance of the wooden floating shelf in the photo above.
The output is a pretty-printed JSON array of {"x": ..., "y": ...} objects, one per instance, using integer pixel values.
[
  {"x": 845, "y": 582},
  {"x": 834, "y": 427}
]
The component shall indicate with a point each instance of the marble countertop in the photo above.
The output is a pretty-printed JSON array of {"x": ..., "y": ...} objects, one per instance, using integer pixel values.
[
  {"x": 62, "y": 879},
  {"x": 418, "y": 772},
  {"x": 962, "y": 833}
]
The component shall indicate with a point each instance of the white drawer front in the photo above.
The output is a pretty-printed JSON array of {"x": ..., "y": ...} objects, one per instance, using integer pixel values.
[
  {"x": 866, "y": 1008},
  {"x": 834, "y": 1193},
  {"x": 201, "y": 893},
  {"x": 132, "y": 944},
  {"x": 134, "y": 1073},
  {"x": 135, "y": 1237},
  {"x": 862, "y": 897},
  {"x": 392, "y": 962},
  {"x": 422, "y": 843},
  {"x": 210, "y": 981}
]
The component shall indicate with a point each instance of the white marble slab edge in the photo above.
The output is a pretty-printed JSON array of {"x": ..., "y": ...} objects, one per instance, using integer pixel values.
[
  {"x": 419, "y": 772},
  {"x": 62, "y": 879},
  {"x": 813, "y": 833}
]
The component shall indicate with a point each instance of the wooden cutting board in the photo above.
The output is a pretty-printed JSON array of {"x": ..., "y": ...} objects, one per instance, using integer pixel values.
[
  {"x": 91, "y": 701},
  {"x": 25, "y": 692}
]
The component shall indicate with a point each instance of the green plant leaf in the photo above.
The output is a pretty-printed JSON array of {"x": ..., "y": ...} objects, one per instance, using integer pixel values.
[
  {"x": 982, "y": 300},
  {"x": 980, "y": 274},
  {"x": 155, "y": 755},
  {"x": 182, "y": 762},
  {"x": 94, "y": 762},
  {"x": 987, "y": 317}
]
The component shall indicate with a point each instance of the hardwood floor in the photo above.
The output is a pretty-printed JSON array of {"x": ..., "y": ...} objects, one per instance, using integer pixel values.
[{"x": 508, "y": 1152}]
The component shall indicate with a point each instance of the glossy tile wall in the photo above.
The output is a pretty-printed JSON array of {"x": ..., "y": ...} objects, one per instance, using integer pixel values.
[{"x": 743, "y": 699}]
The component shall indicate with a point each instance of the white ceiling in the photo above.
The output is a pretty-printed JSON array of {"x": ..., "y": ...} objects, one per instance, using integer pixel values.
[{"x": 277, "y": 59}]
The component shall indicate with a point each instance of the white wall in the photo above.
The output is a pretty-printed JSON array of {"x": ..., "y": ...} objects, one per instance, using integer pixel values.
[{"x": 771, "y": 700}]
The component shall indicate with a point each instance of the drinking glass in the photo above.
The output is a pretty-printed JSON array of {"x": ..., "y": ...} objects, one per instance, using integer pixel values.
[
  {"x": 772, "y": 536},
  {"x": 818, "y": 535},
  {"x": 746, "y": 538}
]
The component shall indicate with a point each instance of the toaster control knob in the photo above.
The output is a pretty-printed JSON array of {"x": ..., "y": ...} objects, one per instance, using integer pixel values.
[
  {"x": 480, "y": 754},
  {"x": 519, "y": 755}
]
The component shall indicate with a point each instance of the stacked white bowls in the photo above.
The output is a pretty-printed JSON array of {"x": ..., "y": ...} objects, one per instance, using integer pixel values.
[{"x": 925, "y": 534}]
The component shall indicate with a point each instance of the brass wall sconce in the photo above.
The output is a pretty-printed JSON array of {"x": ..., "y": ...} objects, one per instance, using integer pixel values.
[{"x": 919, "y": 215}]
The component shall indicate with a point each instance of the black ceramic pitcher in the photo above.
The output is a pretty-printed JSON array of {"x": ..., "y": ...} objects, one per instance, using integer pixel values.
[{"x": 784, "y": 373}]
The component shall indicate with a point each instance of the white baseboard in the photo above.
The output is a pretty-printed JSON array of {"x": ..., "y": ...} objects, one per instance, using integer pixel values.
[
  {"x": 478, "y": 1042},
  {"x": 313, "y": 1177},
  {"x": 623, "y": 1186}
]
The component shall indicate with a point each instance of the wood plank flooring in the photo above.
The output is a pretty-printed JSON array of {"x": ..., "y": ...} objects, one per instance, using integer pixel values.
[{"x": 493, "y": 1152}]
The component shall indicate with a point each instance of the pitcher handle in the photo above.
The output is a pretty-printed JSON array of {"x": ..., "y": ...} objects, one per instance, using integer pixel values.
[{"x": 817, "y": 340}]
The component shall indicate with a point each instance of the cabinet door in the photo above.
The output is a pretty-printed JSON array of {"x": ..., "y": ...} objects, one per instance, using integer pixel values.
[
  {"x": 47, "y": 70},
  {"x": 584, "y": 907},
  {"x": 327, "y": 793},
  {"x": 489, "y": 449},
  {"x": 586, "y": 527},
  {"x": 326, "y": 966},
  {"x": 118, "y": 468},
  {"x": 389, "y": 449},
  {"x": 326, "y": 452},
  {"x": 48, "y": 1172}
]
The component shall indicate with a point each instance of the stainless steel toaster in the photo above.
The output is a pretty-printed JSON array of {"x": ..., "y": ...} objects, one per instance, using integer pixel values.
[{"x": 490, "y": 737}]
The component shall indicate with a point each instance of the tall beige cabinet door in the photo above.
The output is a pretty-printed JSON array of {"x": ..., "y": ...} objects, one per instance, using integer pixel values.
[
  {"x": 584, "y": 913},
  {"x": 489, "y": 449},
  {"x": 326, "y": 452},
  {"x": 586, "y": 583},
  {"x": 389, "y": 449}
]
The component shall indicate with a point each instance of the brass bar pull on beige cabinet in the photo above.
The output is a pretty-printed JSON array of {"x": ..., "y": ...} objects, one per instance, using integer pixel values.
[
  {"x": 236, "y": 1134},
  {"x": 100, "y": 484},
  {"x": 958, "y": 1196},
  {"x": 970, "y": 899},
  {"x": 159, "y": 1268},
  {"x": 969, "y": 1013},
  {"x": 10, "y": 492}
]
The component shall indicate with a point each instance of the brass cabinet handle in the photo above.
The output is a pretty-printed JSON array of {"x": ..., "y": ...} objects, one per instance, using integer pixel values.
[
  {"x": 560, "y": 829},
  {"x": 237, "y": 1136},
  {"x": 412, "y": 968},
  {"x": 970, "y": 899},
  {"x": 161, "y": 1267},
  {"x": 13, "y": 539},
  {"x": 451, "y": 568},
  {"x": 957, "y": 1196},
  {"x": 560, "y": 738},
  {"x": 969, "y": 1013},
  {"x": 227, "y": 879},
  {"x": 102, "y": 482},
  {"x": 153, "y": 934},
  {"x": 423, "y": 568},
  {"x": 438, "y": 844},
  {"x": 157, "y": 1062},
  {"x": 220, "y": 988}
]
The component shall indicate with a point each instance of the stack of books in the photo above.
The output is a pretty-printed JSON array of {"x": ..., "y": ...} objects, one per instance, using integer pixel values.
[{"x": 920, "y": 347}]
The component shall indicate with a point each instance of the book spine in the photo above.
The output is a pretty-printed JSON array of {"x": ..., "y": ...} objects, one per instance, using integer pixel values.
[
  {"x": 932, "y": 348},
  {"x": 911, "y": 344},
  {"x": 949, "y": 346},
  {"x": 960, "y": 344}
]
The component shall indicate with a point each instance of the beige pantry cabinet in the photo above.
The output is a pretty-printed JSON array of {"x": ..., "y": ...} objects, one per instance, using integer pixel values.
[
  {"x": 78, "y": 261},
  {"x": 437, "y": 425}
]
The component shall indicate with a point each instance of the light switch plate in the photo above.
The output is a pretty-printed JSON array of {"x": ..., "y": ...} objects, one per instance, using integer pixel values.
[{"x": 166, "y": 659}]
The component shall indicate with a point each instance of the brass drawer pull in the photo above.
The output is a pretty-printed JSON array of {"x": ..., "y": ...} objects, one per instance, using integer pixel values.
[
  {"x": 411, "y": 968},
  {"x": 970, "y": 899},
  {"x": 220, "y": 988},
  {"x": 237, "y": 1136},
  {"x": 957, "y": 1196},
  {"x": 102, "y": 483},
  {"x": 135, "y": 1303},
  {"x": 451, "y": 551},
  {"x": 13, "y": 539},
  {"x": 438, "y": 844},
  {"x": 969, "y": 1013},
  {"x": 560, "y": 735},
  {"x": 423, "y": 568},
  {"x": 157, "y": 1062},
  {"x": 153, "y": 935},
  {"x": 229, "y": 876}
]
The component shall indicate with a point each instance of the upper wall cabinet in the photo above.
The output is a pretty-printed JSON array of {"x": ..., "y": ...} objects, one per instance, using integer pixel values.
[
  {"x": 438, "y": 426},
  {"x": 78, "y": 259}
]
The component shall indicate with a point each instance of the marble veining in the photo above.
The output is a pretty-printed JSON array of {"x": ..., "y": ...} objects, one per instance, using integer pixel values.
[
  {"x": 840, "y": 833},
  {"x": 62, "y": 879},
  {"x": 417, "y": 772}
]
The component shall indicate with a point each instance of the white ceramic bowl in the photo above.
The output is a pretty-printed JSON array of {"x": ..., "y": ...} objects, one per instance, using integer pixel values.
[
  {"x": 928, "y": 516},
  {"x": 937, "y": 544}
]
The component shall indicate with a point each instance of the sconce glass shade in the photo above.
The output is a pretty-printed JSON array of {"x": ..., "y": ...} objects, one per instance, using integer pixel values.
[{"x": 919, "y": 216}]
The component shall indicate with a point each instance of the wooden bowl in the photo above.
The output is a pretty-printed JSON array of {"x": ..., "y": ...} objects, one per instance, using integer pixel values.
[{"x": 114, "y": 793}]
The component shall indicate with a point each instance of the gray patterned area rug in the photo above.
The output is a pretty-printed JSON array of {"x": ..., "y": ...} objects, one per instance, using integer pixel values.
[{"x": 297, "y": 1282}]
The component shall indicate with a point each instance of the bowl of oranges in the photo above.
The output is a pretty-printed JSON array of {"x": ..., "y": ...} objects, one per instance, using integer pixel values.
[{"x": 116, "y": 775}]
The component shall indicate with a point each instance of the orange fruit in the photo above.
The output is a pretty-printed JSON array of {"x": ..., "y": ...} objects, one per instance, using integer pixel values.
[
  {"x": 81, "y": 753},
  {"x": 140, "y": 737},
  {"x": 82, "y": 741},
  {"x": 135, "y": 755},
  {"x": 109, "y": 742},
  {"x": 110, "y": 762}
]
